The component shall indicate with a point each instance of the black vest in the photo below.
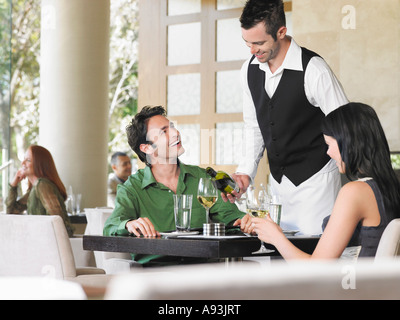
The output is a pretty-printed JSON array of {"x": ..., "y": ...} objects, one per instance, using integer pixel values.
[{"x": 290, "y": 125}]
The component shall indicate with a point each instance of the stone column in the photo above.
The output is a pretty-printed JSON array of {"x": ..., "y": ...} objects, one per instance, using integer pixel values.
[{"x": 74, "y": 93}]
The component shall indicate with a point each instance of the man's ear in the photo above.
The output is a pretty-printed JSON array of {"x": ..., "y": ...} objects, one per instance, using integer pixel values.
[
  {"x": 281, "y": 32},
  {"x": 146, "y": 148}
]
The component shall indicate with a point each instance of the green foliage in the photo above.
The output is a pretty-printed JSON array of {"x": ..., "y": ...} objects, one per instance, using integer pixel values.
[
  {"x": 25, "y": 83},
  {"x": 25, "y": 78},
  {"x": 5, "y": 71},
  {"x": 395, "y": 158},
  {"x": 123, "y": 71}
]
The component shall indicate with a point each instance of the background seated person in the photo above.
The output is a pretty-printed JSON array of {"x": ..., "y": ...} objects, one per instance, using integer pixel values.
[
  {"x": 364, "y": 206},
  {"x": 46, "y": 193},
  {"x": 122, "y": 167},
  {"x": 144, "y": 203}
]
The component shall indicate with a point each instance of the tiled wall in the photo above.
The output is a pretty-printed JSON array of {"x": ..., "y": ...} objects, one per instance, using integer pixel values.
[{"x": 360, "y": 40}]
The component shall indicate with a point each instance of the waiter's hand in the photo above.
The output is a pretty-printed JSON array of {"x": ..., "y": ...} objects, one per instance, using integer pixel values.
[
  {"x": 141, "y": 226},
  {"x": 242, "y": 180}
]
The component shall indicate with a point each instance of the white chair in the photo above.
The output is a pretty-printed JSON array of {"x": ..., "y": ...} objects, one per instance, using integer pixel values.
[
  {"x": 34, "y": 245},
  {"x": 83, "y": 258},
  {"x": 389, "y": 245},
  {"x": 39, "y": 288},
  {"x": 111, "y": 262},
  {"x": 280, "y": 280}
]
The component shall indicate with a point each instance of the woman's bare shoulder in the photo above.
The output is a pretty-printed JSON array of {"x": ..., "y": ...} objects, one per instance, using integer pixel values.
[{"x": 356, "y": 187}]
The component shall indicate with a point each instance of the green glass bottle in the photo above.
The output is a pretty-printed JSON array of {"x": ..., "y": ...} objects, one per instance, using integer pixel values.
[{"x": 223, "y": 181}]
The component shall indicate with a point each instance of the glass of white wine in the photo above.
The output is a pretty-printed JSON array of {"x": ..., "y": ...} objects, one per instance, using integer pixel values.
[
  {"x": 207, "y": 195},
  {"x": 258, "y": 208}
]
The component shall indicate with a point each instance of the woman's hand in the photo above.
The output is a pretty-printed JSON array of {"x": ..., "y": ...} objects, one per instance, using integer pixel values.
[
  {"x": 19, "y": 176},
  {"x": 142, "y": 226},
  {"x": 266, "y": 229}
]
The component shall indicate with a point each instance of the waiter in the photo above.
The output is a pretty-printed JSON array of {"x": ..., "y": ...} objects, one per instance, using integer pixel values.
[{"x": 287, "y": 92}]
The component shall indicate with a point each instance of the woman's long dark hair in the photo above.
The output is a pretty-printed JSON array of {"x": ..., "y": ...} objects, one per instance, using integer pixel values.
[{"x": 364, "y": 149}]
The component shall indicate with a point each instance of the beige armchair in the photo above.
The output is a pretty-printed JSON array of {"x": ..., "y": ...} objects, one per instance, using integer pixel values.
[
  {"x": 111, "y": 262},
  {"x": 40, "y": 288},
  {"x": 83, "y": 258},
  {"x": 33, "y": 245},
  {"x": 389, "y": 245}
]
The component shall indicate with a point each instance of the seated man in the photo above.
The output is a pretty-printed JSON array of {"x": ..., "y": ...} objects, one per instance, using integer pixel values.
[
  {"x": 144, "y": 203},
  {"x": 122, "y": 167}
]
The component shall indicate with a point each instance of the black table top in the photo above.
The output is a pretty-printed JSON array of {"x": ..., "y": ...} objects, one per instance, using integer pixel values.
[
  {"x": 77, "y": 219},
  {"x": 187, "y": 247},
  {"x": 231, "y": 247}
]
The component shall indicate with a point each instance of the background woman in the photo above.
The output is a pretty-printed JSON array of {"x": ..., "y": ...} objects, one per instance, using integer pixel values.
[
  {"x": 46, "y": 193},
  {"x": 365, "y": 205}
]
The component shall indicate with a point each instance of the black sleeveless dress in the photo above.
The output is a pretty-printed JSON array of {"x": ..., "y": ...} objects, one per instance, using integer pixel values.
[{"x": 368, "y": 237}]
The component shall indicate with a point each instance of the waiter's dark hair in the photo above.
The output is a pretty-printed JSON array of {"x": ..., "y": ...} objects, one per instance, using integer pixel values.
[
  {"x": 364, "y": 149},
  {"x": 136, "y": 131},
  {"x": 271, "y": 12}
]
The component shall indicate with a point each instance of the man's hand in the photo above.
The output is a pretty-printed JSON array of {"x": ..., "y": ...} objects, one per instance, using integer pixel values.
[
  {"x": 142, "y": 226},
  {"x": 243, "y": 181},
  {"x": 245, "y": 224}
]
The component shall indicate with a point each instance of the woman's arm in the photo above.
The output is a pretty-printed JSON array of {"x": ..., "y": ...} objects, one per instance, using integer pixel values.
[
  {"x": 269, "y": 232},
  {"x": 13, "y": 204},
  {"x": 355, "y": 202}
]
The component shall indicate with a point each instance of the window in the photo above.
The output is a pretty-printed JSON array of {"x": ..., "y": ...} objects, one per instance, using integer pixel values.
[{"x": 191, "y": 52}]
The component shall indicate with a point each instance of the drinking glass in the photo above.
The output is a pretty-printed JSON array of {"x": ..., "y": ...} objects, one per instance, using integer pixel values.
[
  {"x": 77, "y": 198},
  {"x": 275, "y": 209},
  {"x": 258, "y": 208},
  {"x": 182, "y": 211},
  {"x": 207, "y": 195}
]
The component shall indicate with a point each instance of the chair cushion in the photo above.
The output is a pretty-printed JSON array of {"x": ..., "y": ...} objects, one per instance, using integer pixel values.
[
  {"x": 112, "y": 262},
  {"x": 389, "y": 245},
  {"x": 35, "y": 246},
  {"x": 39, "y": 288}
]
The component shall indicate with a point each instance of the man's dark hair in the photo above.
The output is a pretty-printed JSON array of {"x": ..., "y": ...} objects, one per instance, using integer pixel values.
[
  {"x": 137, "y": 129},
  {"x": 271, "y": 12}
]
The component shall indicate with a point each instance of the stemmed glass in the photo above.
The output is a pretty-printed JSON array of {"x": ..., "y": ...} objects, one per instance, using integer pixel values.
[
  {"x": 207, "y": 195},
  {"x": 258, "y": 207}
]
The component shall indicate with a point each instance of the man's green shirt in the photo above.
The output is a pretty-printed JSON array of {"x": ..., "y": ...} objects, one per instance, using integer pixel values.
[{"x": 142, "y": 196}]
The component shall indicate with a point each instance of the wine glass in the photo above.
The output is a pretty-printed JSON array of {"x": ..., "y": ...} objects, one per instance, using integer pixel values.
[
  {"x": 207, "y": 195},
  {"x": 258, "y": 207}
]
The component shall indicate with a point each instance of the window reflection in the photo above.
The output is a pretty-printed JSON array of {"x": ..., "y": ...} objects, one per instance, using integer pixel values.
[
  {"x": 229, "y": 92},
  {"x": 190, "y": 135},
  {"x": 230, "y": 4},
  {"x": 183, "y": 94},
  {"x": 177, "y": 7},
  {"x": 229, "y": 136},
  {"x": 184, "y": 44},
  {"x": 230, "y": 45}
]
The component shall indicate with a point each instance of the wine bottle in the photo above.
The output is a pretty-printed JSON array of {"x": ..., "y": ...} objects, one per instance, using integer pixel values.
[{"x": 223, "y": 181}]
